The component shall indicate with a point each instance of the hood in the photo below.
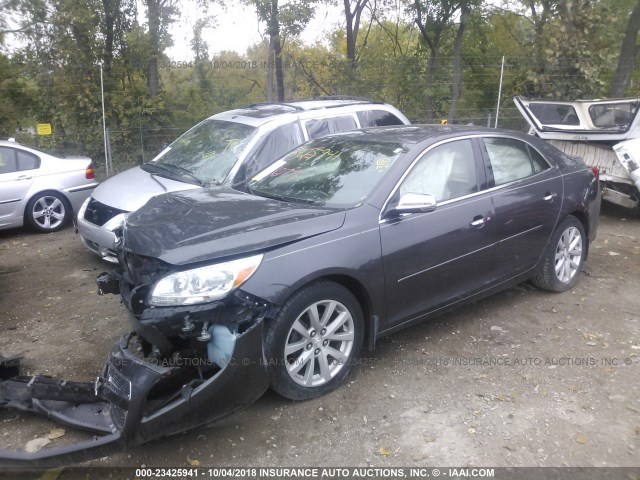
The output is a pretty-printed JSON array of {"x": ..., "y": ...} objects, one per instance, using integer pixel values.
[
  {"x": 207, "y": 224},
  {"x": 132, "y": 188}
]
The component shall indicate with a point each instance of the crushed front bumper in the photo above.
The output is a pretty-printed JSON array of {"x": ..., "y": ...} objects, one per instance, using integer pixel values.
[{"x": 128, "y": 405}]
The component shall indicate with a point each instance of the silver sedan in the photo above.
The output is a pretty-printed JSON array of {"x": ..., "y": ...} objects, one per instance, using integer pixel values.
[{"x": 41, "y": 190}]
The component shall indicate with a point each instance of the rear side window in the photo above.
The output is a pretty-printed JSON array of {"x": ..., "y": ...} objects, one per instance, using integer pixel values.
[
  {"x": 511, "y": 160},
  {"x": 324, "y": 126},
  {"x": 12, "y": 160},
  {"x": 378, "y": 118},
  {"x": 537, "y": 160},
  {"x": 27, "y": 161}
]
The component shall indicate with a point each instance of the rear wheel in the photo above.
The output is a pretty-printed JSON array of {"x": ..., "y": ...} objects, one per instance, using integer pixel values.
[
  {"x": 313, "y": 340},
  {"x": 47, "y": 212},
  {"x": 563, "y": 258}
]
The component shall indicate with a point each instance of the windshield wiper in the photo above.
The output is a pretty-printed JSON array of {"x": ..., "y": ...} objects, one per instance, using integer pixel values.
[{"x": 175, "y": 170}]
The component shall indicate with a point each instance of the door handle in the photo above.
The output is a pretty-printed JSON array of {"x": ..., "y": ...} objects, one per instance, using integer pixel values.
[
  {"x": 549, "y": 197},
  {"x": 24, "y": 177},
  {"x": 479, "y": 221}
]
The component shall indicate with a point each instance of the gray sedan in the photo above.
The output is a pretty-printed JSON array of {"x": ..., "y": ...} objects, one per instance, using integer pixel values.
[{"x": 39, "y": 189}]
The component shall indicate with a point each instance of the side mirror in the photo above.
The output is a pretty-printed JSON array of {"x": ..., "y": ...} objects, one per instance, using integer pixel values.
[{"x": 416, "y": 203}]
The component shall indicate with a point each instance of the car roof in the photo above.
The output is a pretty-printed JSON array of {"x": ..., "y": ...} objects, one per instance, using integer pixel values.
[
  {"x": 258, "y": 114},
  {"x": 412, "y": 134}
]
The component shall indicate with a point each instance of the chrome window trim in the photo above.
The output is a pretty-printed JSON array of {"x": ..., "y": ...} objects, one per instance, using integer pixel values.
[
  {"x": 411, "y": 167},
  {"x": 549, "y": 167},
  {"x": 474, "y": 194}
]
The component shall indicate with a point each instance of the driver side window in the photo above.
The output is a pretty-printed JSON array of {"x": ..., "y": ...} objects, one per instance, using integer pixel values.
[{"x": 448, "y": 171}]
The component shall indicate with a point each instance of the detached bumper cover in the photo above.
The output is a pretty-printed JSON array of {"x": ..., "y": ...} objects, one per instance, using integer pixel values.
[{"x": 121, "y": 409}]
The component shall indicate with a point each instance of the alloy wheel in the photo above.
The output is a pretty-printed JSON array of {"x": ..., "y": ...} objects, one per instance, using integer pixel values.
[
  {"x": 319, "y": 343},
  {"x": 568, "y": 254},
  {"x": 48, "y": 212}
]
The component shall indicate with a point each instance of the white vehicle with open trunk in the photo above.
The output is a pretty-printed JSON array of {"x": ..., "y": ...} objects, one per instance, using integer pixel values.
[{"x": 605, "y": 133}]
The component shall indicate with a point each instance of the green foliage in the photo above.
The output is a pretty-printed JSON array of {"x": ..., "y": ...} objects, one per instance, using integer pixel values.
[{"x": 567, "y": 49}]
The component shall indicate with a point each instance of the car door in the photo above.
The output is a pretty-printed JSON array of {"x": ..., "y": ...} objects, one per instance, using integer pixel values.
[
  {"x": 17, "y": 171},
  {"x": 436, "y": 258},
  {"x": 527, "y": 196}
]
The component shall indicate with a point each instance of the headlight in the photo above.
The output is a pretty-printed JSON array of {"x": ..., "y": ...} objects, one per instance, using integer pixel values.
[
  {"x": 83, "y": 207},
  {"x": 116, "y": 222},
  {"x": 204, "y": 284}
]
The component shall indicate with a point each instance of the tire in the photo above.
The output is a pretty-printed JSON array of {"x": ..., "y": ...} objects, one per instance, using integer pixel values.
[
  {"x": 309, "y": 358},
  {"x": 562, "y": 262},
  {"x": 47, "y": 212}
]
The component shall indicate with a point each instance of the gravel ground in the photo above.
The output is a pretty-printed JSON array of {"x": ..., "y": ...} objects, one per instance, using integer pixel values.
[{"x": 525, "y": 378}]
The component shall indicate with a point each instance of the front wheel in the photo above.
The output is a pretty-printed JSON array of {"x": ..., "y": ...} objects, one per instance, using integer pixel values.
[
  {"x": 47, "y": 212},
  {"x": 312, "y": 342},
  {"x": 563, "y": 257}
]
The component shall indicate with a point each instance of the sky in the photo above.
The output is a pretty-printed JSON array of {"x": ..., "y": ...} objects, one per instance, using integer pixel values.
[{"x": 236, "y": 28}]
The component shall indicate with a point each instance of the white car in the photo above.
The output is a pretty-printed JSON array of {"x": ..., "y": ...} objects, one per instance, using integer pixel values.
[
  {"x": 224, "y": 149},
  {"x": 40, "y": 189}
]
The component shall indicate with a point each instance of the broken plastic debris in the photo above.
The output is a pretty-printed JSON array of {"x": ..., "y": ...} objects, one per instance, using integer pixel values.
[
  {"x": 36, "y": 444},
  {"x": 55, "y": 433}
]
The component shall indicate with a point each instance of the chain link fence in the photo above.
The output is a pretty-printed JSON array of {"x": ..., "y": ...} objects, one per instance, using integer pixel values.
[{"x": 400, "y": 81}]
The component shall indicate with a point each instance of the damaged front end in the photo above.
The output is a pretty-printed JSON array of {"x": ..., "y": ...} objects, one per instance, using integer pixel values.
[{"x": 181, "y": 367}]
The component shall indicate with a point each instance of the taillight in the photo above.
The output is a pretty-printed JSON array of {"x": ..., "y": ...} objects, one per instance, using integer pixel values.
[
  {"x": 89, "y": 174},
  {"x": 596, "y": 172}
]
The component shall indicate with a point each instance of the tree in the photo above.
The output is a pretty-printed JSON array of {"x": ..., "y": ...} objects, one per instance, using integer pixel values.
[
  {"x": 433, "y": 18},
  {"x": 629, "y": 52},
  {"x": 160, "y": 14},
  {"x": 118, "y": 18},
  {"x": 456, "y": 82},
  {"x": 281, "y": 19},
  {"x": 352, "y": 14}
]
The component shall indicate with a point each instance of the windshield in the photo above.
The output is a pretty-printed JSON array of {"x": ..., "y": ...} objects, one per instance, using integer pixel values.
[
  {"x": 333, "y": 171},
  {"x": 208, "y": 151}
]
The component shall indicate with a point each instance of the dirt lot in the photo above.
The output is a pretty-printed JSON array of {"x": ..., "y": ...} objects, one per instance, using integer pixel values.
[{"x": 562, "y": 387}]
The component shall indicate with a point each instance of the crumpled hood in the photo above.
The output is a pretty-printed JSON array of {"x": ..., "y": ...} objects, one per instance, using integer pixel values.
[
  {"x": 130, "y": 190},
  {"x": 206, "y": 224}
]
